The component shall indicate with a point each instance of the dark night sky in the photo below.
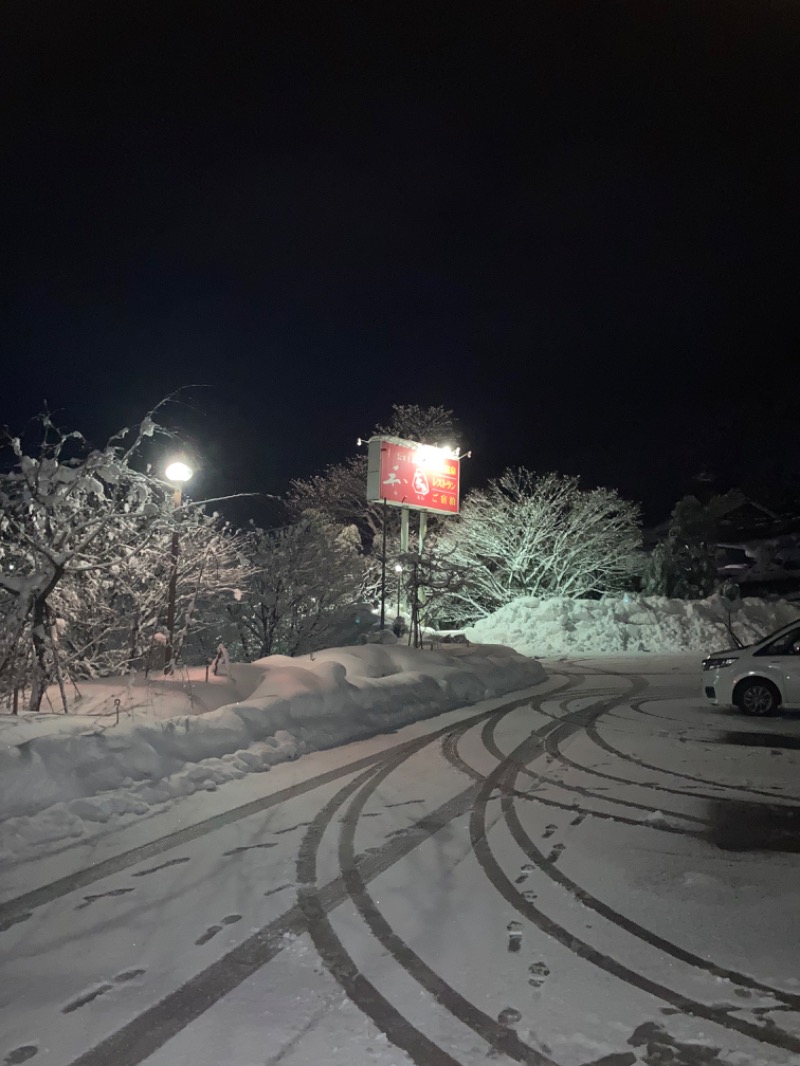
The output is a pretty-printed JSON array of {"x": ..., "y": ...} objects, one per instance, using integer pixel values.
[{"x": 573, "y": 223}]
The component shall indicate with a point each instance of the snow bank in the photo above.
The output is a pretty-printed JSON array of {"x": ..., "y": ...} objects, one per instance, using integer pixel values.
[
  {"x": 60, "y": 775},
  {"x": 558, "y": 626}
]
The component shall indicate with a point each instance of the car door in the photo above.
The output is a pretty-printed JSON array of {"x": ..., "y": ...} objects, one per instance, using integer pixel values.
[{"x": 781, "y": 660}]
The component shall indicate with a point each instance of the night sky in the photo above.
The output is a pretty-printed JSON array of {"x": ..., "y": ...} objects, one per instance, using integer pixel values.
[{"x": 573, "y": 223}]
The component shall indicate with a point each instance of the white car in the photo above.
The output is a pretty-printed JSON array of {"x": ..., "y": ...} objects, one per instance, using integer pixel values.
[{"x": 757, "y": 679}]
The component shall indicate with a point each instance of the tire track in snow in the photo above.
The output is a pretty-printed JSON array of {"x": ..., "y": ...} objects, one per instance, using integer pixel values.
[
  {"x": 583, "y": 896},
  {"x": 554, "y": 751},
  {"x": 551, "y": 747},
  {"x": 503, "y": 775},
  {"x": 538, "y": 859},
  {"x": 420, "y": 1048},
  {"x": 498, "y": 1034},
  {"x": 11, "y": 910},
  {"x": 594, "y": 735},
  {"x": 450, "y": 752},
  {"x": 502, "y": 1039},
  {"x": 529, "y": 848},
  {"x": 341, "y": 965},
  {"x": 19, "y": 908},
  {"x": 155, "y": 1026}
]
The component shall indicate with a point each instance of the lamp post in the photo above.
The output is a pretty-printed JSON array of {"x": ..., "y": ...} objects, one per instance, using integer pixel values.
[{"x": 177, "y": 473}]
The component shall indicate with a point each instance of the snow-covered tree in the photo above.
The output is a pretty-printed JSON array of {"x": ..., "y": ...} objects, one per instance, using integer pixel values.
[
  {"x": 84, "y": 539},
  {"x": 115, "y": 618},
  {"x": 304, "y": 576},
  {"x": 339, "y": 493},
  {"x": 428, "y": 425},
  {"x": 430, "y": 579},
  {"x": 525, "y": 535},
  {"x": 684, "y": 564}
]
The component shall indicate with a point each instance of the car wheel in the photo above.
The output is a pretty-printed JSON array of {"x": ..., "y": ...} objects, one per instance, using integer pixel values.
[{"x": 756, "y": 697}]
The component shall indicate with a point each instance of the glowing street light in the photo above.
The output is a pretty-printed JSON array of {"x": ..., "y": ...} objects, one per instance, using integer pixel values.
[{"x": 177, "y": 473}]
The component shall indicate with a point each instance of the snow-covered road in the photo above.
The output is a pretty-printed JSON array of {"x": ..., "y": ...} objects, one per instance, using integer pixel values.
[{"x": 568, "y": 876}]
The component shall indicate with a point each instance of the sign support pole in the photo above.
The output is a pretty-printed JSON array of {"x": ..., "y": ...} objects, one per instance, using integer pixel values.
[
  {"x": 403, "y": 530},
  {"x": 423, "y": 529},
  {"x": 383, "y": 570}
]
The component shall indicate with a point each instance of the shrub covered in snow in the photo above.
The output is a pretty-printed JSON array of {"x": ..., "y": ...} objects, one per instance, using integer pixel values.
[{"x": 557, "y": 625}]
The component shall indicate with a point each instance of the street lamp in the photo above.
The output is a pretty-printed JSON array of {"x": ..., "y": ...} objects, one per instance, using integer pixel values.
[{"x": 177, "y": 473}]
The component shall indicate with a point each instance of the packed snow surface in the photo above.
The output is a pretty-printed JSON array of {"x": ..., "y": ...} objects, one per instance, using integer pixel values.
[
  {"x": 61, "y": 775},
  {"x": 629, "y": 901},
  {"x": 633, "y": 624}
]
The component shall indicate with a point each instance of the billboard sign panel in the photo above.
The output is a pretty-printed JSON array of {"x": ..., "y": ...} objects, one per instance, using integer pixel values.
[{"x": 408, "y": 474}]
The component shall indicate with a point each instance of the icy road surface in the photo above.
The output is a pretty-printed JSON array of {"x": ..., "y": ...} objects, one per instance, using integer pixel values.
[{"x": 602, "y": 871}]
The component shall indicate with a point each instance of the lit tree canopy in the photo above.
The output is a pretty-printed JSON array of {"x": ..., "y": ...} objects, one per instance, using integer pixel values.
[{"x": 525, "y": 535}]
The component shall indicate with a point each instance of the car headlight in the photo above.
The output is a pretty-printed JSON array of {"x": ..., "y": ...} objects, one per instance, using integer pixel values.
[{"x": 717, "y": 664}]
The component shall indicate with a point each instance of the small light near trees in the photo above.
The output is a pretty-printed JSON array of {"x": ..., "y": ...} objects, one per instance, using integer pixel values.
[
  {"x": 178, "y": 471},
  {"x": 398, "y": 568}
]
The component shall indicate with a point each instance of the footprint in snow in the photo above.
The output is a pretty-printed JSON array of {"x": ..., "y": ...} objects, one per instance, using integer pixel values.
[
  {"x": 278, "y": 888},
  {"x": 514, "y": 936},
  {"x": 20, "y": 1054},
  {"x": 538, "y": 972},
  {"x": 163, "y": 866},
  {"x": 549, "y": 830},
  {"x": 212, "y": 930},
  {"x": 509, "y": 1016},
  {"x": 250, "y": 847},
  {"x": 87, "y": 900},
  {"x": 290, "y": 828},
  {"x": 529, "y": 895},
  {"x": 86, "y": 997},
  {"x": 553, "y": 856}
]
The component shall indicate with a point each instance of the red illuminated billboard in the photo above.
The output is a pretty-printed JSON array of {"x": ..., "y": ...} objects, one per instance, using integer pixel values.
[{"x": 406, "y": 474}]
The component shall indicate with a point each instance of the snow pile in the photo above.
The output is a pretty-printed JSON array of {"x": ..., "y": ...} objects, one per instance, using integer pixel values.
[
  {"x": 60, "y": 775},
  {"x": 559, "y": 626}
]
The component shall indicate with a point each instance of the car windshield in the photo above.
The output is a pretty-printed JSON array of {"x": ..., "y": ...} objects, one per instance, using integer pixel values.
[{"x": 782, "y": 643}]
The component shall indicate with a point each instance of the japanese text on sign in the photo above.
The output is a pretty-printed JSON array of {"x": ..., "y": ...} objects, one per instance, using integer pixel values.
[{"x": 419, "y": 476}]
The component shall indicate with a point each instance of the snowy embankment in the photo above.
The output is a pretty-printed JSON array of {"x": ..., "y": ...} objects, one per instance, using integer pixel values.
[
  {"x": 60, "y": 776},
  {"x": 632, "y": 624}
]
